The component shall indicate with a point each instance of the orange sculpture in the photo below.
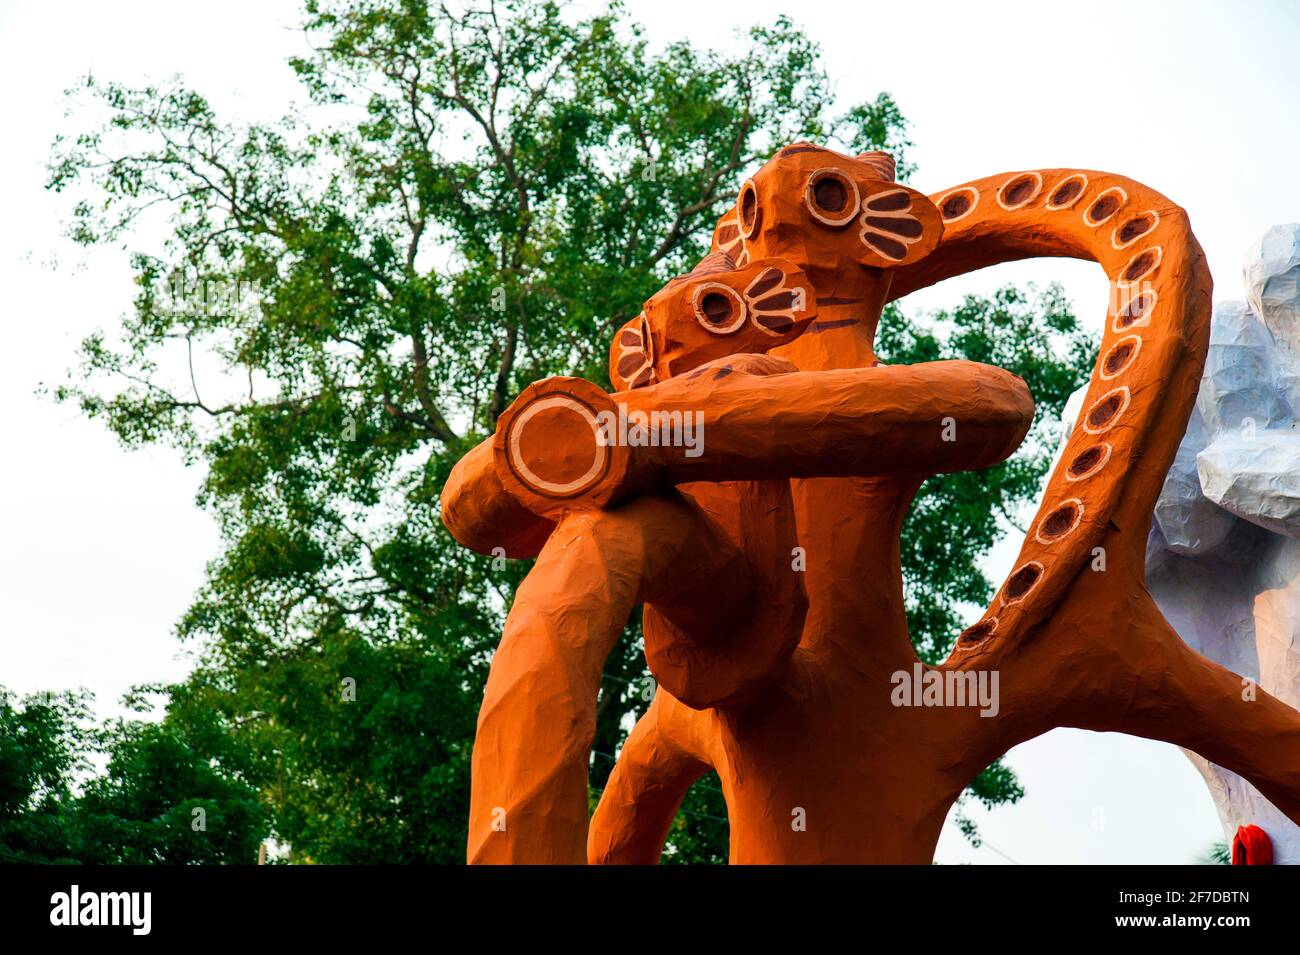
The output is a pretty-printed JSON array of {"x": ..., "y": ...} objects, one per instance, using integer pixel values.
[{"x": 747, "y": 482}]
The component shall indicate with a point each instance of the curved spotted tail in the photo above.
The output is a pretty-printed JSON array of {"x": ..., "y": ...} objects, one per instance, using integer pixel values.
[{"x": 1142, "y": 387}]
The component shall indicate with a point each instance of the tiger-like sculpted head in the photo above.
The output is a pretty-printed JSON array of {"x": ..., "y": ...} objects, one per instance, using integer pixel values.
[
  {"x": 828, "y": 211},
  {"x": 715, "y": 311}
]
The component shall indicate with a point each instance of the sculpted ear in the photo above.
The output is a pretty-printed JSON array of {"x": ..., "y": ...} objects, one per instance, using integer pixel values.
[
  {"x": 896, "y": 225},
  {"x": 881, "y": 162}
]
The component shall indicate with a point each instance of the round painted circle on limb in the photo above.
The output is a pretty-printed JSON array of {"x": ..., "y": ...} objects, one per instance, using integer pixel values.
[
  {"x": 556, "y": 447},
  {"x": 1104, "y": 208},
  {"x": 1020, "y": 190}
]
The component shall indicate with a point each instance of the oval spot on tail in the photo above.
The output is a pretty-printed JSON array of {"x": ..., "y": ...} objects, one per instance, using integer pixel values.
[
  {"x": 1141, "y": 265},
  {"x": 1088, "y": 462},
  {"x": 1135, "y": 311},
  {"x": 979, "y": 631},
  {"x": 958, "y": 204},
  {"x": 1106, "y": 411},
  {"x": 1105, "y": 206},
  {"x": 1020, "y": 583},
  {"x": 1067, "y": 192},
  {"x": 1020, "y": 190},
  {"x": 1134, "y": 228},
  {"x": 1061, "y": 522},
  {"x": 1120, "y": 356}
]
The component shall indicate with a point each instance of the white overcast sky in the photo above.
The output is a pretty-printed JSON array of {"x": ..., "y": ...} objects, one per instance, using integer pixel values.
[{"x": 102, "y": 550}]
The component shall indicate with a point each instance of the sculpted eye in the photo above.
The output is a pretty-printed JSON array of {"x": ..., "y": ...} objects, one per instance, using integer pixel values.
[
  {"x": 719, "y": 309},
  {"x": 832, "y": 197},
  {"x": 747, "y": 207}
]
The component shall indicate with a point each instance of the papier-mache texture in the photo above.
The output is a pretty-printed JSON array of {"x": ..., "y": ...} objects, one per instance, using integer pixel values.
[{"x": 746, "y": 481}]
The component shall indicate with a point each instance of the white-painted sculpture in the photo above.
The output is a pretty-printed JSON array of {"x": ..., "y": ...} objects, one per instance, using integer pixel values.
[{"x": 1223, "y": 559}]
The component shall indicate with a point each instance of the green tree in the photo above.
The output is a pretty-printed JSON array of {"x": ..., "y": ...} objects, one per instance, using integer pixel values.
[
  {"x": 467, "y": 201},
  {"x": 44, "y": 741},
  {"x": 171, "y": 791},
  {"x": 957, "y": 518}
]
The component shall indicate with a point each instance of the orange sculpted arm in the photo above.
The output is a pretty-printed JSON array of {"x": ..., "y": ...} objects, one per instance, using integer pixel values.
[
  {"x": 528, "y": 796},
  {"x": 658, "y": 763},
  {"x": 715, "y": 312},
  {"x": 528, "y": 800},
  {"x": 565, "y": 443},
  {"x": 480, "y": 514}
]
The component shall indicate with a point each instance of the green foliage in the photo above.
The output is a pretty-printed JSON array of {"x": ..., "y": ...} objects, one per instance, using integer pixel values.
[
  {"x": 700, "y": 833},
  {"x": 956, "y": 518},
  {"x": 44, "y": 741},
  {"x": 1217, "y": 854},
  {"x": 350, "y": 296},
  {"x": 171, "y": 791},
  {"x": 995, "y": 786}
]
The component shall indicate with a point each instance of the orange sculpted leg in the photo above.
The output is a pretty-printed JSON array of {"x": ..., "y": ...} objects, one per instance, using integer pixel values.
[
  {"x": 528, "y": 800},
  {"x": 1109, "y": 661},
  {"x": 1200, "y": 705},
  {"x": 658, "y": 763}
]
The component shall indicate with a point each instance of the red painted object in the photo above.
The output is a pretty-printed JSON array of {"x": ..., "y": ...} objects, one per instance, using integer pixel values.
[{"x": 1252, "y": 846}]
